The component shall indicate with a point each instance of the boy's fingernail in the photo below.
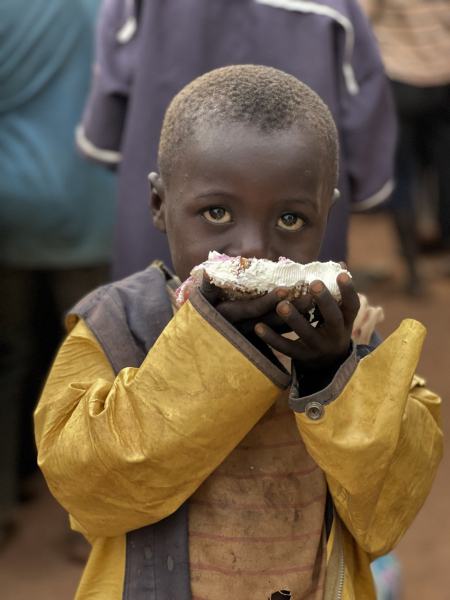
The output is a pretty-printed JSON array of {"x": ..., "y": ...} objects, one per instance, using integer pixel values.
[
  {"x": 284, "y": 309},
  {"x": 259, "y": 329},
  {"x": 317, "y": 287},
  {"x": 344, "y": 278},
  {"x": 282, "y": 294},
  {"x": 343, "y": 265}
]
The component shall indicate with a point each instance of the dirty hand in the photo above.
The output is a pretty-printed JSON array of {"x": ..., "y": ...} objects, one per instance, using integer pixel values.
[
  {"x": 244, "y": 314},
  {"x": 319, "y": 352}
]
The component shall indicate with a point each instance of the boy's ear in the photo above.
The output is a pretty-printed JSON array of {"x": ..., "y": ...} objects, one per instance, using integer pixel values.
[
  {"x": 335, "y": 197},
  {"x": 157, "y": 204}
]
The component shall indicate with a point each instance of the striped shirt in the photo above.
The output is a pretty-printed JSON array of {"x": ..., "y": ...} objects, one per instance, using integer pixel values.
[
  {"x": 256, "y": 525},
  {"x": 414, "y": 39}
]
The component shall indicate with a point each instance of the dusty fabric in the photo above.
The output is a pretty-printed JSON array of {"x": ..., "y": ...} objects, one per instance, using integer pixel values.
[
  {"x": 254, "y": 530},
  {"x": 150, "y": 437},
  {"x": 129, "y": 429},
  {"x": 227, "y": 546},
  {"x": 257, "y": 523},
  {"x": 403, "y": 431}
]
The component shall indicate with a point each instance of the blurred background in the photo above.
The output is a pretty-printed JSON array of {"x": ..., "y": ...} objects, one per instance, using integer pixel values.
[{"x": 83, "y": 88}]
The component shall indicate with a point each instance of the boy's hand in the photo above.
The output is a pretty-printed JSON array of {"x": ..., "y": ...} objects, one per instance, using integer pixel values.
[
  {"x": 246, "y": 313},
  {"x": 319, "y": 352}
]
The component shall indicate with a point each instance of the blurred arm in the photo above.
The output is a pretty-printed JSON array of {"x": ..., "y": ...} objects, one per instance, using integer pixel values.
[
  {"x": 99, "y": 135},
  {"x": 368, "y": 121}
]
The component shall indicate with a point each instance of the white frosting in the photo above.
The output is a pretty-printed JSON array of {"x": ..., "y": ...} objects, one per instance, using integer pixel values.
[{"x": 258, "y": 276}]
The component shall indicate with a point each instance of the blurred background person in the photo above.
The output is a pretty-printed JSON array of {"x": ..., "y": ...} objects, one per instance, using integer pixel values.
[
  {"x": 147, "y": 51},
  {"x": 414, "y": 39},
  {"x": 56, "y": 211}
]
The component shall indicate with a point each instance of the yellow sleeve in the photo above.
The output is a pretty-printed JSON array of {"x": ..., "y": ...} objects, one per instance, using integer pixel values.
[
  {"x": 379, "y": 442},
  {"x": 121, "y": 453}
]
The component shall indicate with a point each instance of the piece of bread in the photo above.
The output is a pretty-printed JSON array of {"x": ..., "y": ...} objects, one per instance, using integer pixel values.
[{"x": 240, "y": 277}]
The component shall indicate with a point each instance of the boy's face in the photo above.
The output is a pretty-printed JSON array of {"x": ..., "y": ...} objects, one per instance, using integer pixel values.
[{"x": 241, "y": 191}]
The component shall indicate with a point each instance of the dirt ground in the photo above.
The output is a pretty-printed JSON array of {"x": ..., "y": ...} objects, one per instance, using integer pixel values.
[{"x": 34, "y": 564}]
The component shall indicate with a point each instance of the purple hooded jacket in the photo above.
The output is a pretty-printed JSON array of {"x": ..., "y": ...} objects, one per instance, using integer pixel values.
[{"x": 148, "y": 50}]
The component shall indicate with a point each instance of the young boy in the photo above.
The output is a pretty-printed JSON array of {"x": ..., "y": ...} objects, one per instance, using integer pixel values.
[{"x": 173, "y": 440}]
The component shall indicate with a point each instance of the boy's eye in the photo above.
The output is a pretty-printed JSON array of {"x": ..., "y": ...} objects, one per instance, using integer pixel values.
[
  {"x": 290, "y": 221},
  {"x": 217, "y": 215}
]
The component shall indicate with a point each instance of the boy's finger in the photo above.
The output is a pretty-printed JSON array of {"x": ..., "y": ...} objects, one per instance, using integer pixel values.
[
  {"x": 208, "y": 290},
  {"x": 303, "y": 304},
  {"x": 350, "y": 299},
  {"x": 272, "y": 319},
  {"x": 253, "y": 308},
  {"x": 296, "y": 321},
  {"x": 275, "y": 341},
  {"x": 275, "y": 321},
  {"x": 329, "y": 308}
]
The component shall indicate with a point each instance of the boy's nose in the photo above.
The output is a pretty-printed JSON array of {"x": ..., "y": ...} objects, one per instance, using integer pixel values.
[{"x": 251, "y": 248}]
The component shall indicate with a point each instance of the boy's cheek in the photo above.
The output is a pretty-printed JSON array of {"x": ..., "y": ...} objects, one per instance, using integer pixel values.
[{"x": 187, "y": 254}]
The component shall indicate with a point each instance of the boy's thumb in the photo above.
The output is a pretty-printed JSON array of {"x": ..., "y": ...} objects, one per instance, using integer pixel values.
[{"x": 208, "y": 290}]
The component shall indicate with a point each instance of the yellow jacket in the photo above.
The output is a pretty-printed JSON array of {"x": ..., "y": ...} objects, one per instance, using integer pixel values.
[{"x": 122, "y": 452}]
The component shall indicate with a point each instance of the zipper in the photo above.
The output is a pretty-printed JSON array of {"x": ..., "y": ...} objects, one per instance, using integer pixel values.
[{"x": 342, "y": 570}]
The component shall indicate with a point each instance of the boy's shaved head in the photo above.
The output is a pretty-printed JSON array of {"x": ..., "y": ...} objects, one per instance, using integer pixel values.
[
  {"x": 257, "y": 96},
  {"x": 248, "y": 161}
]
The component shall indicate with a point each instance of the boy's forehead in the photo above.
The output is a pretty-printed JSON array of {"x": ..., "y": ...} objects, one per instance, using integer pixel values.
[
  {"x": 254, "y": 154},
  {"x": 219, "y": 136}
]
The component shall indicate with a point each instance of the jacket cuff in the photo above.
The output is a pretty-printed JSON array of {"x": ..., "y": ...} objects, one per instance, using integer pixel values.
[
  {"x": 313, "y": 405},
  {"x": 281, "y": 379}
]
